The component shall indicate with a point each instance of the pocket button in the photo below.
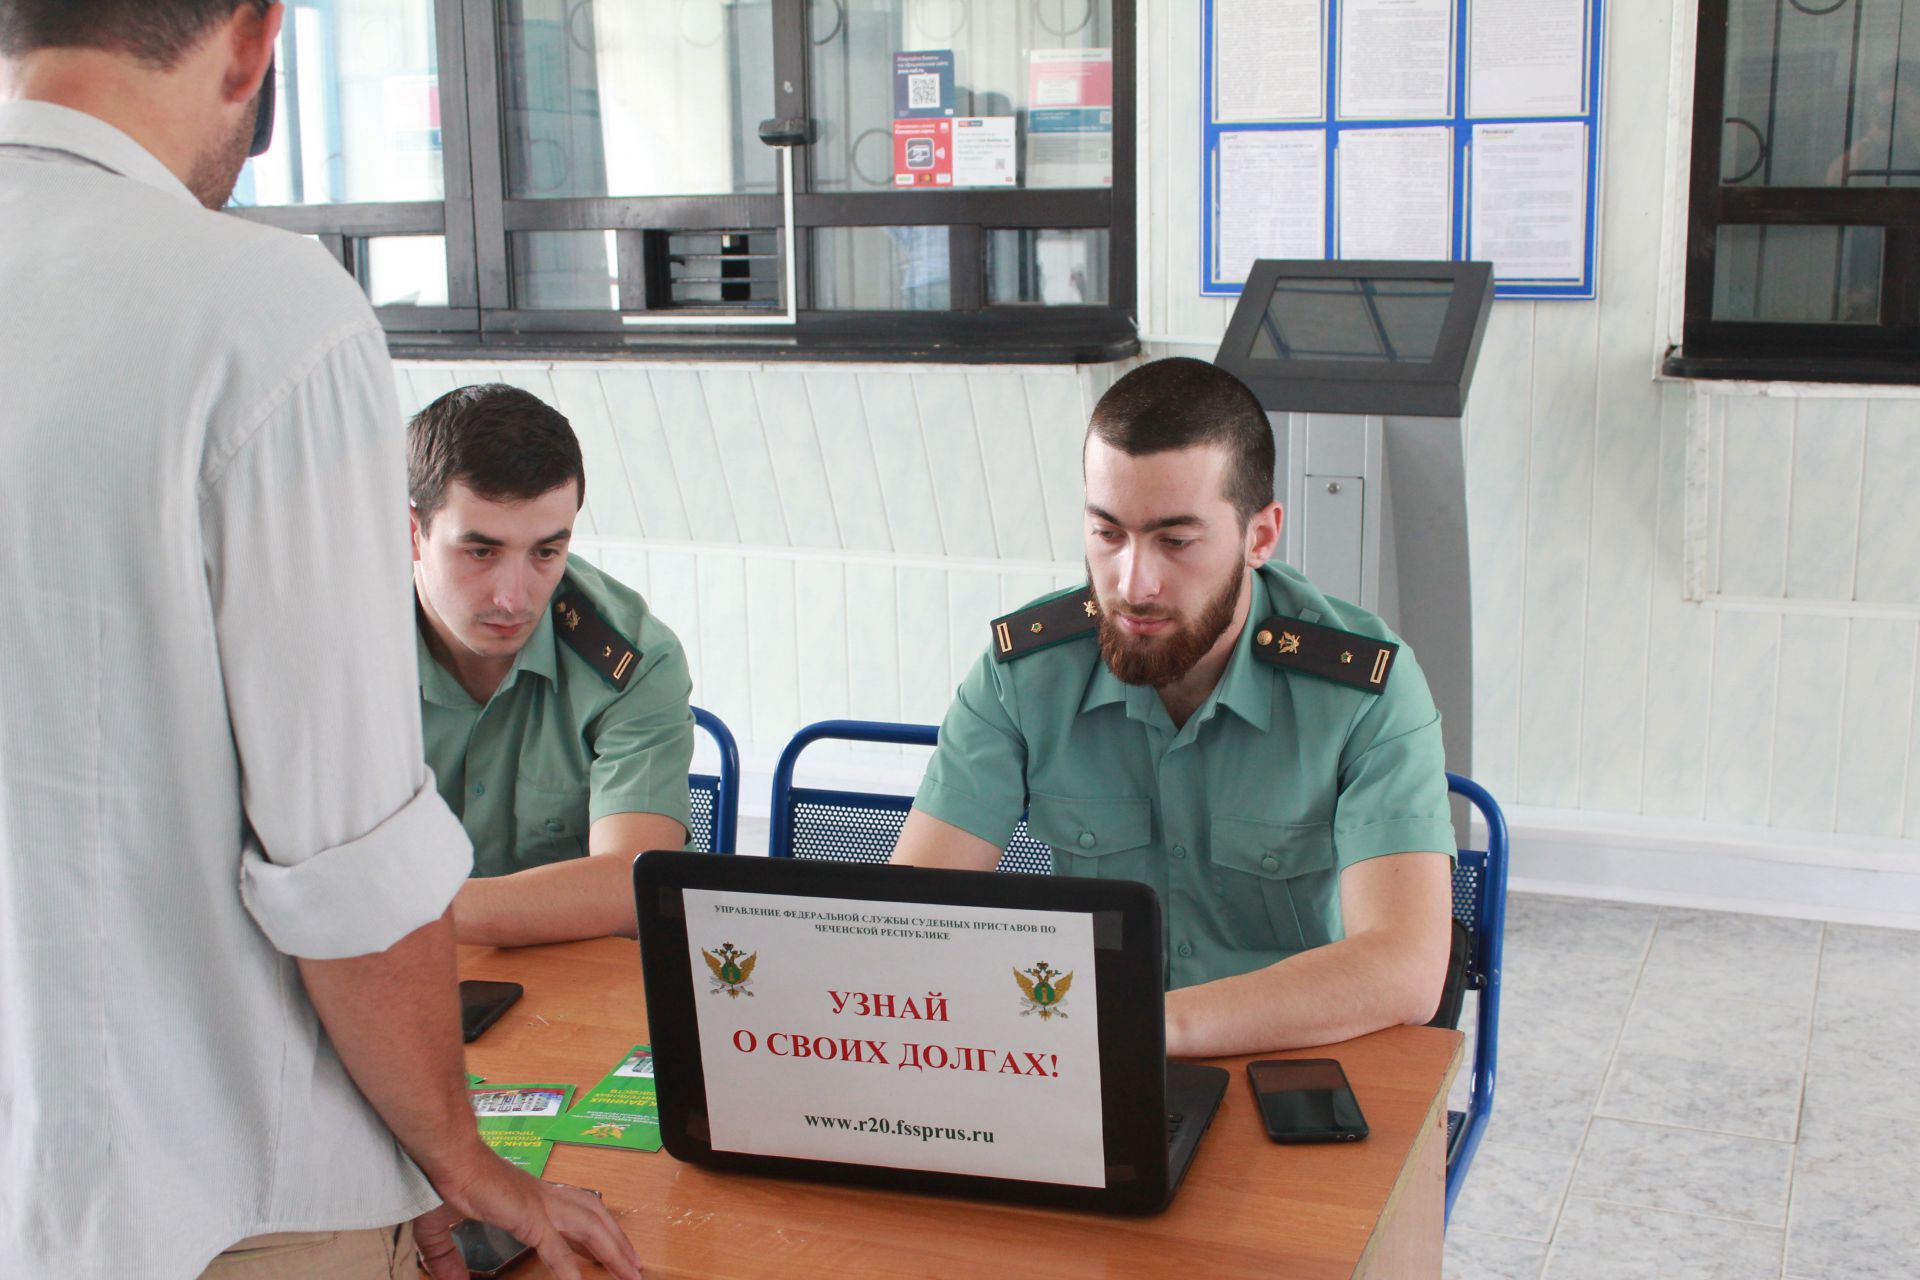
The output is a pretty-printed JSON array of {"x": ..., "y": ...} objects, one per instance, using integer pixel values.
[
  {"x": 1270, "y": 862},
  {"x": 1186, "y": 950},
  {"x": 1086, "y": 840},
  {"x": 1179, "y": 851},
  {"x": 556, "y": 826}
]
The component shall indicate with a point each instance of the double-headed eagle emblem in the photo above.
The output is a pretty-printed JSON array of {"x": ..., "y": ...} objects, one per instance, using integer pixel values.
[
  {"x": 1044, "y": 989},
  {"x": 732, "y": 970}
]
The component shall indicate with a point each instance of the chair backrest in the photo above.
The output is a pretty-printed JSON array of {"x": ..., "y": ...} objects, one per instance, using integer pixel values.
[
  {"x": 715, "y": 823},
  {"x": 863, "y": 826},
  {"x": 1479, "y": 903}
]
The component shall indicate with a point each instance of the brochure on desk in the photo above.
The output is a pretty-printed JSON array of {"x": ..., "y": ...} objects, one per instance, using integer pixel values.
[
  {"x": 1452, "y": 130},
  {"x": 943, "y": 1038}
]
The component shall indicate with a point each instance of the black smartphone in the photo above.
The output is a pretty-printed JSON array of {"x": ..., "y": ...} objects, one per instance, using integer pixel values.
[
  {"x": 1306, "y": 1100},
  {"x": 482, "y": 1003},
  {"x": 487, "y": 1249}
]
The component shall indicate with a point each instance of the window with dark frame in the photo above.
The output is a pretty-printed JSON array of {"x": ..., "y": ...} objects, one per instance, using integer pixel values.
[
  {"x": 605, "y": 177},
  {"x": 1803, "y": 230}
]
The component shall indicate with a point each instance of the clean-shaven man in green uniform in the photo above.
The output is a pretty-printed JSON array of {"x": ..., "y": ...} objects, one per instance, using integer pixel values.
[
  {"x": 1205, "y": 720},
  {"x": 554, "y": 703}
]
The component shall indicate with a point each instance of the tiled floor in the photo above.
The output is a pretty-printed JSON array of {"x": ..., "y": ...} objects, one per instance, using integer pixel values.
[{"x": 1689, "y": 1094}]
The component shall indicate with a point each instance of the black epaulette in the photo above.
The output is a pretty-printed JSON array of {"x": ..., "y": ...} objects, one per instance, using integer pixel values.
[
  {"x": 1046, "y": 624},
  {"x": 1312, "y": 650},
  {"x": 588, "y": 634}
]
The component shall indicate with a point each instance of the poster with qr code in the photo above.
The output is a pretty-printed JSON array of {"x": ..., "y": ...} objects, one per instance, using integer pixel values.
[{"x": 922, "y": 84}]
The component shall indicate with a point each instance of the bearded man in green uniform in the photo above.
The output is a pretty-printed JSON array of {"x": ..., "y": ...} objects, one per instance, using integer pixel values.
[
  {"x": 555, "y": 704},
  {"x": 1203, "y": 719}
]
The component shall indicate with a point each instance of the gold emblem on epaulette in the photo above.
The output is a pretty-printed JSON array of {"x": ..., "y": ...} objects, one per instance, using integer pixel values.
[
  {"x": 1037, "y": 628},
  {"x": 1093, "y": 610},
  {"x": 1289, "y": 642},
  {"x": 1265, "y": 638},
  {"x": 1347, "y": 657}
]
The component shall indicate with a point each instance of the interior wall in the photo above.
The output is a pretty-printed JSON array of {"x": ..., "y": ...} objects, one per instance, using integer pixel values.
[{"x": 831, "y": 540}]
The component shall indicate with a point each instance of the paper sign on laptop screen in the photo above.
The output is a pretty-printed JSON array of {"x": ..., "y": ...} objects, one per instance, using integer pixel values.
[{"x": 910, "y": 1035}]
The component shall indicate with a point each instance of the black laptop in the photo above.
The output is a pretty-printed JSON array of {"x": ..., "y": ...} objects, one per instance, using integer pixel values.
[{"x": 967, "y": 1033}]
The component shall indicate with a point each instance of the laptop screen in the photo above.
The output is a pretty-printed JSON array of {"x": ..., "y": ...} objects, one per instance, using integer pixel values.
[{"x": 934, "y": 1037}]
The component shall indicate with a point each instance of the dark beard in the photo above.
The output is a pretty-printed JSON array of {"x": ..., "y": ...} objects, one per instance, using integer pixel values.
[
  {"x": 1158, "y": 661},
  {"x": 217, "y": 169}
]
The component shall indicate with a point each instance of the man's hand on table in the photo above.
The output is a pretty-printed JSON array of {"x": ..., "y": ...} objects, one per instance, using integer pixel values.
[{"x": 547, "y": 1217}]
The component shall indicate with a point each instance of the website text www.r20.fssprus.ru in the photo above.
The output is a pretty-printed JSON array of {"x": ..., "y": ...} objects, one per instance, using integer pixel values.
[{"x": 901, "y": 1129}]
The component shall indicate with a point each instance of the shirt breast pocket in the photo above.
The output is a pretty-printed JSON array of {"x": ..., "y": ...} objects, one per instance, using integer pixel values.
[
  {"x": 1289, "y": 870},
  {"x": 1105, "y": 836},
  {"x": 550, "y": 822}
]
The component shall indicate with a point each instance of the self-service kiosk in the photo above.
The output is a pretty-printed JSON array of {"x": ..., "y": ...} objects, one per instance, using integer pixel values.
[{"x": 1363, "y": 370}]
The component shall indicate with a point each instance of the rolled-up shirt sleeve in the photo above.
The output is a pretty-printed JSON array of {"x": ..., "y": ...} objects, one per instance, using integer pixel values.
[{"x": 350, "y": 848}]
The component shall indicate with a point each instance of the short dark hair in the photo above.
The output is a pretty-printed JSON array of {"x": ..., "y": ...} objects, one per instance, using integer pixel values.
[
  {"x": 505, "y": 444},
  {"x": 1179, "y": 403},
  {"x": 157, "y": 32}
]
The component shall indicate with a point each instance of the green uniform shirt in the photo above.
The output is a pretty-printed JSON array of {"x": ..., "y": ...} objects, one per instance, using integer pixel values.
[
  {"x": 1241, "y": 820},
  {"x": 557, "y": 747}
]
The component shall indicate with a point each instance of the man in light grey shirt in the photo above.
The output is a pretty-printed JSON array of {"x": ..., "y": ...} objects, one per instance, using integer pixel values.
[{"x": 227, "y": 1004}]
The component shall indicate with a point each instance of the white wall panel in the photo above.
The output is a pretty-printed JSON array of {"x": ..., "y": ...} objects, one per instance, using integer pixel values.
[
  {"x": 1806, "y": 722},
  {"x": 823, "y": 615},
  {"x": 1058, "y": 411},
  {"x": 926, "y": 644},
  {"x": 1874, "y": 762},
  {"x": 741, "y": 444},
  {"x": 695, "y": 452},
  {"x": 847, "y": 452},
  {"x": 1560, "y": 506},
  {"x": 652, "y": 474},
  {"x": 673, "y": 582},
  {"x": 1755, "y": 481},
  {"x": 725, "y": 681},
  {"x": 1497, "y": 445},
  {"x": 1011, "y": 463},
  {"x": 1679, "y": 649},
  {"x": 1746, "y": 670},
  {"x": 799, "y": 470},
  {"x": 1829, "y": 442},
  {"x": 770, "y": 624},
  {"x": 873, "y": 642},
  {"x": 1889, "y": 568},
  {"x": 1621, "y": 550},
  {"x": 900, "y": 456},
  {"x": 952, "y": 441}
]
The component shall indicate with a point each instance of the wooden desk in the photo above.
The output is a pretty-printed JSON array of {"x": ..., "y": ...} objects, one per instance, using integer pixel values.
[{"x": 1247, "y": 1207}]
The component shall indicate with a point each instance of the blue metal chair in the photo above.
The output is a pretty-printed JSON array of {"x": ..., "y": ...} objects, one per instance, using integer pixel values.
[
  {"x": 863, "y": 826},
  {"x": 1480, "y": 904},
  {"x": 715, "y": 823}
]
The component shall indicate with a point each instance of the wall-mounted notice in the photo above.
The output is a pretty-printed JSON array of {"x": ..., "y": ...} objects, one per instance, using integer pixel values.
[
  {"x": 1273, "y": 195},
  {"x": 1394, "y": 101},
  {"x": 1269, "y": 59},
  {"x": 1529, "y": 200},
  {"x": 1526, "y": 57},
  {"x": 1396, "y": 59},
  {"x": 1070, "y": 118},
  {"x": 1395, "y": 194}
]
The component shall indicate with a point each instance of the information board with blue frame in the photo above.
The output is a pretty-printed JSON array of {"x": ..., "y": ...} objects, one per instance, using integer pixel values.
[{"x": 1529, "y": 145}]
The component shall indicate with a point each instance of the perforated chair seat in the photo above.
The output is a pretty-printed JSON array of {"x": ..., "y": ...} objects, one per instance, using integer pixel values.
[{"x": 703, "y": 795}]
